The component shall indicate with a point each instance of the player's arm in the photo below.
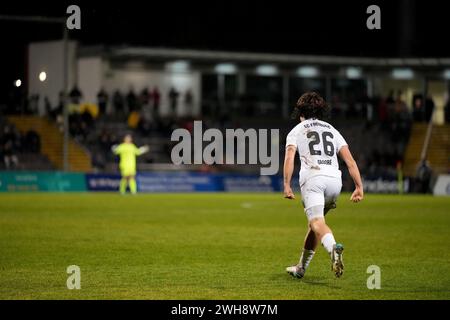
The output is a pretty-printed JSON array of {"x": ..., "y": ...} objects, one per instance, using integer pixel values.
[
  {"x": 142, "y": 150},
  {"x": 288, "y": 169},
  {"x": 346, "y": 155},
  {"x": 115, "y": 149}
]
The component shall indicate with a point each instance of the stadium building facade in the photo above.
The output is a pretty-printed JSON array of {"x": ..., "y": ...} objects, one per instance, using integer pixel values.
[{"x": 223, "y": 81}]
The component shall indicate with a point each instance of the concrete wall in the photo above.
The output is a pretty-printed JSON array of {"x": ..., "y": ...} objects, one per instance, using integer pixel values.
[
  {"x": 90, "y": 77},
  {"x": 49, "y": 57}
]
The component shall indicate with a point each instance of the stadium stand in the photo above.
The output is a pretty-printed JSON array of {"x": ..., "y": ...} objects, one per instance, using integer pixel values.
[
  {"x": 396, "y": 134},
  {"x": 438, "y": 150},
  {"x": 52, "y": 142},
  {"x": 21, "y": 149},
  {"x": 376, "y": 158}
]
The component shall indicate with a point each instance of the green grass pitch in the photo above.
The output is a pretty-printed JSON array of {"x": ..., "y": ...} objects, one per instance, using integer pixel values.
[{"x": 217, "y": 246}]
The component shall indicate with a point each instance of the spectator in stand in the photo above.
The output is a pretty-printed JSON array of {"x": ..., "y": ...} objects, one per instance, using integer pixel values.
[
  {"x": 400, "y": 122},
  {"x": 447, "y": 111},
  {"x": 390, "y": 105},
  {"x": 144, "y": 125},
  {"x": 48, "y": 106},
  {"x": 133, "y": 119},
  {"x": 98, "y": 160},
  {"x": 81, "y": 124},
  {"x": 144, "y": 97},
  {"x": 156, "y": 97},
  {"x": 132, "y": 102},
  {"x": 87, "y": 118},
  {"x": 53, "y": 113},
  {"x": 173, "y": 100},
  {"x": 9, "y": 146},
  {"x": 102, "y": 101},
  {"x": 429, "y": 108},
  {"x": 423, "y": 177},
  {"x": 351, "y": 111},
  {"x": 366, "y": 107},
  {"x": 9, "y": 155},
  {"x": 145, "y": 102},
  {"x": 83, "y": 131},
  {"x": 75, "y": 95},
  {"x": 146, "y": 118},
  {"x": 104, "y": 141},
  {"x": 189, "y": 102},
  {"x": 418, "y": 111},
  {"x": 390, "y": 98},
  {"x": 118, "y": 104},
  {"x": 336, "y": 110},
  {"x": 33, "y": 104},
  {"x": 382, "y": 110},
  {"x": 32, "y": 141}
]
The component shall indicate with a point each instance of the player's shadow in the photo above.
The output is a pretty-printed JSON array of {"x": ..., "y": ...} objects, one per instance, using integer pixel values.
[
  {"x": 318, "y": 281},
  {"x": 308, "y": 280}
]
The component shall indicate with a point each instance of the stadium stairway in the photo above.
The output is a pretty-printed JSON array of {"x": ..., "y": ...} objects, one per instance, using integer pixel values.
[
  {"x": 52, "y": 143},
  {"x": 438, "y": 150}
]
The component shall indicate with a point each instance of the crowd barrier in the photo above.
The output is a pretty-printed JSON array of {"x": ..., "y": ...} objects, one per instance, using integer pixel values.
[
  {"x": 188, "y": 182},
  {"x": 164, "y": 182},
  {"x": 42, "y": 181},
  {"x": 442, "y": 185}
]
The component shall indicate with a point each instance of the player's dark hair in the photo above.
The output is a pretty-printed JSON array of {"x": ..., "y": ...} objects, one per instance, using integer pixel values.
[{"x": 311, "y": 106}]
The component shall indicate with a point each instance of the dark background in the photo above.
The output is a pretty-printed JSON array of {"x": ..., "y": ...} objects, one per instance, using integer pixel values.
[{"x": 409, "y": 27}]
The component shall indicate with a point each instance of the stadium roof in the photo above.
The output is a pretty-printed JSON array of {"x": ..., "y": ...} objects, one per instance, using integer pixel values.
[{"x": 250, "y": 57}]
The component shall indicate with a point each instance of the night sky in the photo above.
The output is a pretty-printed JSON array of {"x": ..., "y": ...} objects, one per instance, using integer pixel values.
[{"x": 409, "y": 27}]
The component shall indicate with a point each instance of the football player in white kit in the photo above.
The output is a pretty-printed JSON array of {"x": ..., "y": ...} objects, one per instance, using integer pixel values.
[{"x": 318, "y": 143}]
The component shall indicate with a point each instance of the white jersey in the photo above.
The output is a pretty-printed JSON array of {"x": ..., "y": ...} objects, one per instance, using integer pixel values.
[{"x": 318, "y": 144}]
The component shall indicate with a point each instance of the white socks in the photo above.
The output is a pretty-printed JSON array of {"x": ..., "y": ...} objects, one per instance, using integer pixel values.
[
  {"x": 306, "y": 258},
  {"x": 328, "y": 242}
]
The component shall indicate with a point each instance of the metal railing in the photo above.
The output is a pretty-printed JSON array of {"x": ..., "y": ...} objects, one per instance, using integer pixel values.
[{"x": 426, "y": 143}]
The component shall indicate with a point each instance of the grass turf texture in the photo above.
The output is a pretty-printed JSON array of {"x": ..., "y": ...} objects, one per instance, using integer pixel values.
[{"x": 217, "y": 246}]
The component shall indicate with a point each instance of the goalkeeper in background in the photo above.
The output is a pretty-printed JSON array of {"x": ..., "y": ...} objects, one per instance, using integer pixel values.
[{"x": 127, "y": 151}]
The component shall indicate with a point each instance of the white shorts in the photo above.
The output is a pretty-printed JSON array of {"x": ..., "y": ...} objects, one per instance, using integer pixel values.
[{"x": 319, "y": 194}]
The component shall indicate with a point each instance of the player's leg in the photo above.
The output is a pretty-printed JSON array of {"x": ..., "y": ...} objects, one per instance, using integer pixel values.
[
  {"x": 306, "y": 256},
  {"x": 324, "y": 233},
  {"x": 334, "y": 186},
  {"x": 309, "y": 245},
  {"x": 311, "y": 240},
  {"x": 133, "y": 185},
  {"x": 309, "y": 249},
  {"x": 313, "y": 194},
  {"x": 123, "y": 184},
  {"x": 322, "y": 230}
]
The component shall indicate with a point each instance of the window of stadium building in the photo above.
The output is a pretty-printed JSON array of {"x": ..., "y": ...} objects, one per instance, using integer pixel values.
[
  {"x": 219, "y": 91},
  {"x": 347, "y": 96},
  {"x": 264, "y": 96},
  {"x": 297, "y": 86}
]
